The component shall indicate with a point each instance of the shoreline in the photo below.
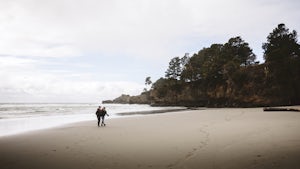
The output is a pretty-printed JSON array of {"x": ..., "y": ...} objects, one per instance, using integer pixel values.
[
  {"x": 187, "y": 139},
  {"x": 149, "y": 112},
  {"x": 15, "y": 126}
]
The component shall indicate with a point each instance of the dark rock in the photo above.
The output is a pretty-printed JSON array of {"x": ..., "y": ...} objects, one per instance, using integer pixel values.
[{"x": 143, "y": 98}]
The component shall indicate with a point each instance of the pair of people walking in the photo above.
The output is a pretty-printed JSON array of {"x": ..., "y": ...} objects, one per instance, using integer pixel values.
[{"x": 101, "y": 112}]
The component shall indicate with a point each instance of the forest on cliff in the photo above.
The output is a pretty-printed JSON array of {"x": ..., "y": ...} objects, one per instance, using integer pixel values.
[{"x": 226, "y": 75}]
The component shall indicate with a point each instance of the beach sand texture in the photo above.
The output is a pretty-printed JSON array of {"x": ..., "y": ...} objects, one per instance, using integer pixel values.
[{"x": 228, "y": 138}]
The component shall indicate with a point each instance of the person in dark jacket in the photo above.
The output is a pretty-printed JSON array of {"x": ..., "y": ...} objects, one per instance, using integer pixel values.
[
  {"x": 103, "y": 112},
  {"x": 98, "y": 112}
]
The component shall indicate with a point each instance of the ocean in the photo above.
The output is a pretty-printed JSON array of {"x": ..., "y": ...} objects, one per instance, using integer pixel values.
[{"x": 18, "y": 118}]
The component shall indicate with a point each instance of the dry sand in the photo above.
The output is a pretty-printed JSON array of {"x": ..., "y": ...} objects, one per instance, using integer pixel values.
[{"x": 208, "y": 139}]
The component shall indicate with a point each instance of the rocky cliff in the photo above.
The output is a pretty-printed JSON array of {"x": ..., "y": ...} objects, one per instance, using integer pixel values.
[{"x": 143, "y": 98}]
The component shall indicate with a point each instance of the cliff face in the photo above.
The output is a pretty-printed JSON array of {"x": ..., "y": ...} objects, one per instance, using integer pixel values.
[
  {"x": 247, "y": 88},
  {"x": 123, "y": 99},
  {"x": 143, "y": 98}
]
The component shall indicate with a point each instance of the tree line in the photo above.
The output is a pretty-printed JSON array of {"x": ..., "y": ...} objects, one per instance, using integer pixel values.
[{"x": 227, "y": 75}]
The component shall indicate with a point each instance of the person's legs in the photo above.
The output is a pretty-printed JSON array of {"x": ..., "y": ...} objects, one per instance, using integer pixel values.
[
  {"x": 102, "y": 124},
  {"x": 98, "y": 120}
]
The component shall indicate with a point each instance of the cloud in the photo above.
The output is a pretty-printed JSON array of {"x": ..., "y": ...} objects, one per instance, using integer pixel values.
[
  {"x": 22, "y": 80},
  {"x": 137, "y": 28},
  {"x": 89, "y": 49},
  {"x": 128, "y": 27}
]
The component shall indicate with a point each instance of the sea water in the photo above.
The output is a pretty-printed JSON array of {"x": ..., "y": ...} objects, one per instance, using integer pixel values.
[{"x": 23, "y": 117}]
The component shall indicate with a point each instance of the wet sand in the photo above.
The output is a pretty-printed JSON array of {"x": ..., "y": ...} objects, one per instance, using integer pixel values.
[{"x": 209, "y": 139}]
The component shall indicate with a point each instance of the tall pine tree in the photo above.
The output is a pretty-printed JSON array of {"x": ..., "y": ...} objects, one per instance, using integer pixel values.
[{"x": 282, "y": 59}]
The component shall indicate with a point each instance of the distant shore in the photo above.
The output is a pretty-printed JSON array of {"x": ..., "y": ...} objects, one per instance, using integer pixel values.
[{"x": 231, "y": 138}]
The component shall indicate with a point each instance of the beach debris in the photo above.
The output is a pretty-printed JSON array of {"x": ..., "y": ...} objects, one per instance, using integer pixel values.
[{"x": 280, "y": 109}]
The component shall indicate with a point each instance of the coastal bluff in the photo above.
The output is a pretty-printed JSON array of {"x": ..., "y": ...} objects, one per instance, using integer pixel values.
[{"x": 143, "y": 98}]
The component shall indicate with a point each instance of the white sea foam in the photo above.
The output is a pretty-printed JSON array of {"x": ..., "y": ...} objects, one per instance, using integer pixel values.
[{"x": 19, "y": 118}]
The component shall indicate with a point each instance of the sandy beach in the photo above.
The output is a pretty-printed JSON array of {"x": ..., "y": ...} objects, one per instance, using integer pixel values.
[{"x": 229, "y": 138}]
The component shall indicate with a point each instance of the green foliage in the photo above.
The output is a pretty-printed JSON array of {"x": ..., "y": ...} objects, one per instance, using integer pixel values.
[
  {"x": 203, "y": 65},
  {"x": 227, "y": 74},
  {"x": 191, "y": 71},
  {"x": 238, "y": 51},
  {"x": 282, "y": 55},
  {"x": 174, "y": 70},
  {"x": 148, "y": 81},
  {"x": 213, "y": 63},
  {"x": 176, "y": 67}
]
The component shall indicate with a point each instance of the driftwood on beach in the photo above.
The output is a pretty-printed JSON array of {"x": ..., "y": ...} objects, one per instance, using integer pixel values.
[{"x": 280, "y": 109}]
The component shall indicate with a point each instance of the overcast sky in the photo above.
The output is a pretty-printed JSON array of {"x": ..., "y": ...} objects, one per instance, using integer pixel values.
[{"x": 92, "y": 50}]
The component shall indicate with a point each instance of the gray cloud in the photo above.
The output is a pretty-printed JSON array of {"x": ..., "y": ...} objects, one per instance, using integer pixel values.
[{"x": 36, "y": 36}]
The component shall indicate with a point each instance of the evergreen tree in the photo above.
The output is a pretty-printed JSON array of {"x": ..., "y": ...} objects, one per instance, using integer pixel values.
[
  {"x": 282, "y": 59},
  {"x": 227, "y": 75},
  {"x": 148, "y": 82},
  {"x": 174, "y": 69},
  {"x": 238, "y": 51}
]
